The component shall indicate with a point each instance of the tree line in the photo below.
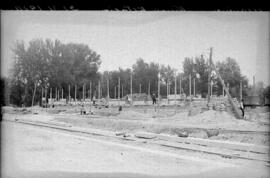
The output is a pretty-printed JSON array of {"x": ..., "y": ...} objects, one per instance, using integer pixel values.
[{"x": 53, "y": 64}]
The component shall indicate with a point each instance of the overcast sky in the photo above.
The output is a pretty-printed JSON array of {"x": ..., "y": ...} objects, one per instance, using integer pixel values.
[{"x": 166, "y": 37}]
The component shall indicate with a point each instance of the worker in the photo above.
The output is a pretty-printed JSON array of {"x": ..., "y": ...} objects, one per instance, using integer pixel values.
[
  {"x": 94, "y": 100},
  {"x": 154, "y": 99},
  {"x": 242, "y": 107}
]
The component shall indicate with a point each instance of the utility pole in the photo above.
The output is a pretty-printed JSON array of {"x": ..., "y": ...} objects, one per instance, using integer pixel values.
[
  {"x": 241, "y": 90},
  {"x": 99, "y": 89},
  {"x": 119, "y": 88},
  {"x": 62, "y": 93},
  {"x": 55, "y": 97},
  {"x": 194, "y": 89},
  {"x": 122, "y": 91},
  {"x": 58, "y": 92},
  {"x": 190, "y": 87},
  {"x": 68, "y": 93},
  {"x": 175, "y": 88},
  {"x": 51, "y": 93},
  {"x": 167, "y": 86},
  {"x": 115, "y": 92},
  {"x": 33, "y": 98},
  {"x": 75, "y": 98},
  {"x": 209, "y": 75},
  {"x": 149, "y": 88},
  {"x": 140, "y": 88},
  {"x": 211, "y": 88},
  {"x": 82, "y": 92},
  {"x": 46, "y": 95},
  {"x": 180, "y": 84},
  {"x": 90, "y": 91},
  {"x": 223, "y": 90},
  {"x": 131, "y": 88},
  {"x": 108, "y": 89},
  {"x": 158, "y": 88}
]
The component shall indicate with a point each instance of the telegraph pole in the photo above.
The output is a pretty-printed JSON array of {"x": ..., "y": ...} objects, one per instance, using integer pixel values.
[
  {"x": 190, "y": 87},
  {"x": 167, "y": 85},
  {"x": 194, "y": 90},
  {"x": 46, "y": 95},
  {"x": 108, "y": 89},
  {"x": 149, "y": 88},
  {"x": 55, "y": 97},
  {"x": 241, "y": 90},
  {"x": 175, "y": 88},
  {"x": 140, "y": 88},
  {"x": 223, "y": 90},
  {"x": 51, "y": 93},
  {"x": 68, "y": 93},
  {"x": 119, "y": 87},
  {"x": 99, "y": 89},
  {"x": 131, "y": 88},
  {"x": 180, "y": 84},
  {"x": 158, "y": 87},
  {"x": 209, "y": 75},
  {"x": 83, "y": 92},
  {"x": 90, "y": 91},
  {"x": 122, "y": 91},
  {"x": 115, "y": 92},
  {"x": 75, "y": 98},
  {"x": 211, "y": 89}
]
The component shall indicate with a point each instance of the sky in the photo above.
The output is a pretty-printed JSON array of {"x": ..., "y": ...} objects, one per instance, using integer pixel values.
[{"x": 165, "y": 37}]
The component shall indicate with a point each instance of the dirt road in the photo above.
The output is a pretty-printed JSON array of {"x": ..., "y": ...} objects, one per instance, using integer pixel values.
[{"x": 29, "y": 151}]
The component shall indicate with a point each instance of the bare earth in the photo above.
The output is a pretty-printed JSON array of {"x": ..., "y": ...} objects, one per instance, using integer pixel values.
[
  {"x": 30, "y": 151},
  {"x": 33, "y": 152}
]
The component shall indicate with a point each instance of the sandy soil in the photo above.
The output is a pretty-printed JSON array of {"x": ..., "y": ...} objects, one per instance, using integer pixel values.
[
  {"x": 33, "y": 152},
  {"x": 168, "y": 120}
]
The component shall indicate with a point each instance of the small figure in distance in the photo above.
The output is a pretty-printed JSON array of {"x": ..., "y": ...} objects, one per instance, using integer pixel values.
[
  {"x": 242, "y": 108},
  {"x": 154, "y": 99},
  {"x": 94, "y": 100}
]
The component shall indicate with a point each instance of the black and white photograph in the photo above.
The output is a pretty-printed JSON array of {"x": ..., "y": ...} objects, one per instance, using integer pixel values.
[{"x": 127, "y": 94}]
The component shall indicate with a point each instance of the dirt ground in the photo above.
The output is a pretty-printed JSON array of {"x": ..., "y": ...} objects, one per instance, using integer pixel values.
[
  {"x": 29, "y": 151},
  {"x": 173, "y": 120}
]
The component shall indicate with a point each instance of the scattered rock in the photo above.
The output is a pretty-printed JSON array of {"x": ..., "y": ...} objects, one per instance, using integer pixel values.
[
  {"x": 211, "y": 133},
  {"x": 120, "y": 133},
  {"x": 145, "y": 135},
  {"x": 199, "y": 134},
  {"x": 120, "y": 108},
  {"x": 182, "y": 134}
]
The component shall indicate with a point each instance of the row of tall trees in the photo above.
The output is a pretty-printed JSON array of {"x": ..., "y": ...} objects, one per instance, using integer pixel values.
[{"x": 52, "y": 64}]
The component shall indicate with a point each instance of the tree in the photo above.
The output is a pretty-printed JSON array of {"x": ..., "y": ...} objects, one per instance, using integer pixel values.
[
  {"x": 167, "y": 77},
  {"x": 230, "y": 72},
  {"x": 51, "y": 64},
  {"x": 140, "y": 77},
  {"x": 198, "y": 70}
]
